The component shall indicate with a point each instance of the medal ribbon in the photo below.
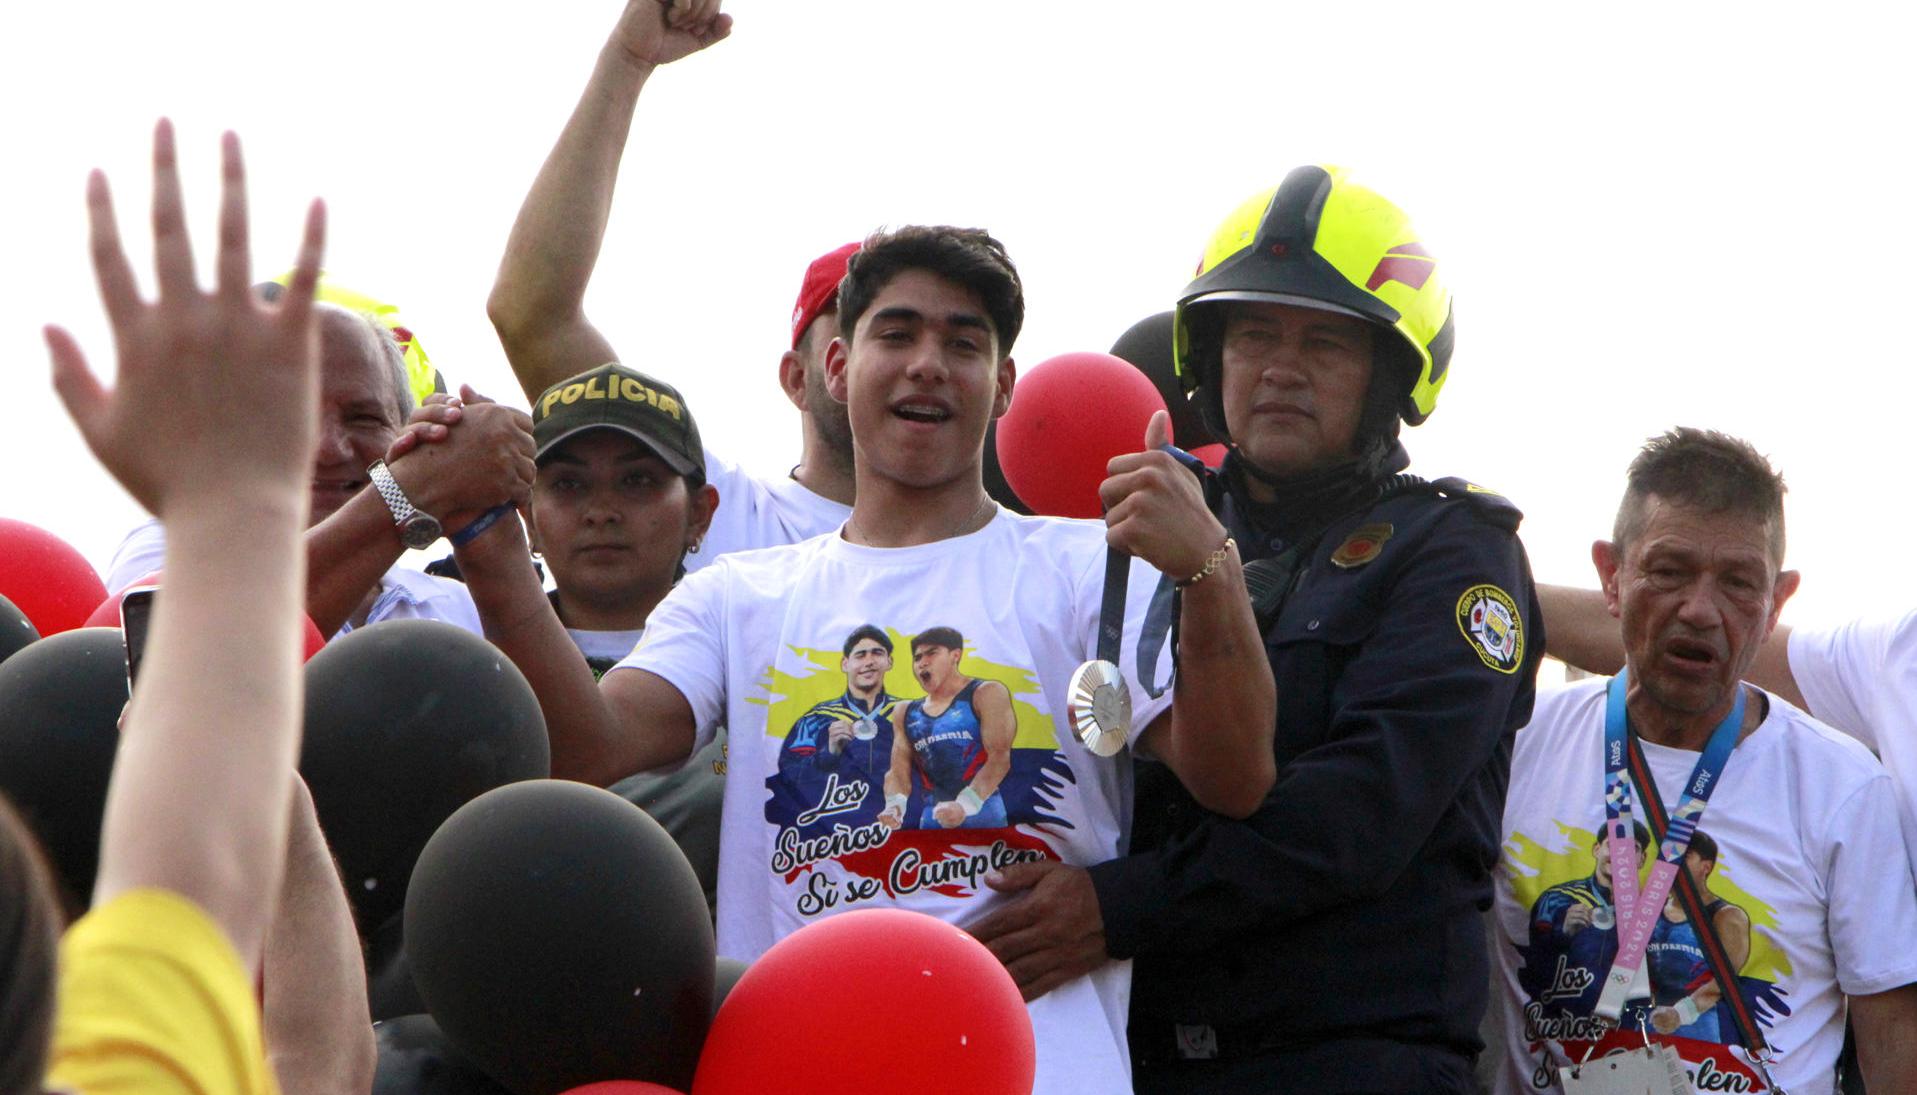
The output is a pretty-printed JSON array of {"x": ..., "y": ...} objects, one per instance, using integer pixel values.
[
  {"x": 1637, "y": 913},
  {"x": 1161, "y": 615}
]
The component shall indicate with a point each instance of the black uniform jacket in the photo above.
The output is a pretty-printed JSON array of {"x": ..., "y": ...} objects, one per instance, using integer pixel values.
[{"x": 1349, "y": 904}]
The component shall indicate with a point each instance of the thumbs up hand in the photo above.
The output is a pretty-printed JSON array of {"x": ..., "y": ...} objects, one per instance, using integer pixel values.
[{"x": 1155, "y": 508}]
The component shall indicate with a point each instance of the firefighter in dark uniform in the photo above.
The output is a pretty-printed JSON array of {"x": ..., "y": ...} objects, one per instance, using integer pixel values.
[{"x": 1333, "y": 941}]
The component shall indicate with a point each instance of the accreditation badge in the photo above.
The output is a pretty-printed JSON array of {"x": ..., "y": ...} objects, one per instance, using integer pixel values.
[{"x": 1651, "y": 1070}]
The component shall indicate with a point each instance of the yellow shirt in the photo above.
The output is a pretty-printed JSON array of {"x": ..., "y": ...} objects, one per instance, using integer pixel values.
[{"x": 154, "y": 1000}]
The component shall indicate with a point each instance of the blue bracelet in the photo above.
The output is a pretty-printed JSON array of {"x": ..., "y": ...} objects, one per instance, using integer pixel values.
[{"x": 485, "y": 521}]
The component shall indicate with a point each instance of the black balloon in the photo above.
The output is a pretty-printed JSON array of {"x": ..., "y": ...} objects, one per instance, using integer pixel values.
[
  {"x": 16, "y": 631},
  {"x": 725, "y": 975},
  {"x": 559, "y": 937},
  {"x": 1148, "y": 346},
  {"x": 994, "y": 475},
  {"x": 416, "y": 1059},
  {"x": 406, "y": 721},
  {"x": 390, "y": 992},
  {"x": 60, "y": 704}
]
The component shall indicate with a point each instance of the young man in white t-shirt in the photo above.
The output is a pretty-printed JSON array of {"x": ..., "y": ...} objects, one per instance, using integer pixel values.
[
  {"x": 1798, "y": 859},
  {"x": 927, "y": 319}
]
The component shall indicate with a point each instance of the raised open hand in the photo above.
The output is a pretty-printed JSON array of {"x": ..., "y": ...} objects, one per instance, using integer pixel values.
[
  {"x": 216, "y": 394},
  {"x": 658, "y": 32}
]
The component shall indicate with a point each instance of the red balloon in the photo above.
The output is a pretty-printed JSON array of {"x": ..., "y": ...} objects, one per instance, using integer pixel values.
[
  {"x": 1213, "y": 455},
  {"x": 1070, "y": 415},
  {"x": 108, "y": 615},
  {"x": 889, "y": 1001},
  {"x": 45, "y": 578},
  {"x": 622, "y": 1087}
]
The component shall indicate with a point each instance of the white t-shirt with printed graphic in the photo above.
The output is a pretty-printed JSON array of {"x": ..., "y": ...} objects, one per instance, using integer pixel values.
[
  {"x": 755, "y": 643},
  {"x": 758, "y": 513},
  {"x": 1808, "y": 847},
  {"x": 1861, "y": 677}
]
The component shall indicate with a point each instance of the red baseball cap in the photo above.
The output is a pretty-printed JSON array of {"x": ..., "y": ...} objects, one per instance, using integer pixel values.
[{"x": 819, "y": 292}]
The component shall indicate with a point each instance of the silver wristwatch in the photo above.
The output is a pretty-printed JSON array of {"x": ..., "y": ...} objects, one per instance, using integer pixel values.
[{"x": 417, "y": 530}]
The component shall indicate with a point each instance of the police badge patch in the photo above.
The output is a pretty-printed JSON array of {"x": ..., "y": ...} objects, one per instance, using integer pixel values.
[
  {"x": 1488, "y": 619},
  {"x": 1362, "y": 546}
]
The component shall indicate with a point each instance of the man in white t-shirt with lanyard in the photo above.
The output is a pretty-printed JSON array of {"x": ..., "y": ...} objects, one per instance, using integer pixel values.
[
  {"x": 927, "y": 319},
  {"x": 1859, "y": 676},
  {"x": 537, "y": 301},
  {"x": 1804, "y": 838}
]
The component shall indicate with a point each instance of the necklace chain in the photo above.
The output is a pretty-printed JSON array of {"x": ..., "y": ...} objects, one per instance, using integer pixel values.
[{"x": 969, "y": 524}]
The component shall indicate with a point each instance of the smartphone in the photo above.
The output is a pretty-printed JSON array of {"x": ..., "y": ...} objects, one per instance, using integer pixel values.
[{"x": 136, "y": 612}]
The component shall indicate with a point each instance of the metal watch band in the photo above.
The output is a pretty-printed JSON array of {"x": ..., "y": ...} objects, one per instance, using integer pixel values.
[{"x": 396, "y": 501}]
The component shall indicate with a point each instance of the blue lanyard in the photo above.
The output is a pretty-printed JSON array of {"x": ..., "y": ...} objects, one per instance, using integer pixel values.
[
  {"x": 1637, "y": 913},
  {"x": 1697, "y": 790}
]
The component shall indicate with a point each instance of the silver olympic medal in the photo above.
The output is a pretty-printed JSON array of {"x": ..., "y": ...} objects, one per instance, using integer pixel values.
[
  {"x": 1603, "y": 919},
  {"x": 865, "y": 729},
  {"x": 1099, "y": 703}
]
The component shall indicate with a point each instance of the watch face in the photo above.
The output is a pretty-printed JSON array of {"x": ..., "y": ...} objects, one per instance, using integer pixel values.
[{"x": 420, "y": 531}]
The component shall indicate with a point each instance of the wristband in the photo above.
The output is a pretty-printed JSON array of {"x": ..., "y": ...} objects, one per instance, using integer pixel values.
[
  {"x": 1686, "y": 1011},
  {"x": 485, "y": 521},
  {"x": 895, "y": 802},
  {"x": 969, "y": 801},
  {"x": 1212, "y": 563}
]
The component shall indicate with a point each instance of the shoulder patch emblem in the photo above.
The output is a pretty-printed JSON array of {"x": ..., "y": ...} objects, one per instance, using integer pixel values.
[
  {"x": 1362, "y": 546},
  {"x": 1488, "y": 619}
]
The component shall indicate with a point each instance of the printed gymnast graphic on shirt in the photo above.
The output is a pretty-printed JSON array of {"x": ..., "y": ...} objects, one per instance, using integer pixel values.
[
  {"x": 1572, "y": 939},
  {"x": 908, "y": 772},
  {"x": 1799, "y": 859}
]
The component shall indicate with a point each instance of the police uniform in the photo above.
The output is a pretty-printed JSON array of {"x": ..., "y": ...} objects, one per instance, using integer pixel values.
[{"x": 1333, "y": 942}]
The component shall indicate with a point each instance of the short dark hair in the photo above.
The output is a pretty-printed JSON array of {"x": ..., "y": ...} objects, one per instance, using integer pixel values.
[
  {"x": 1703, "y": 470},
  {"x": 1642, "y": 834},
  {"x": 966, "y": 256},
  {"x": 1704, "y": 846},
  {"x": 29, "y": 943},
  {"x": 867, "y": 631},
  {"x": 947, "y": 637}
]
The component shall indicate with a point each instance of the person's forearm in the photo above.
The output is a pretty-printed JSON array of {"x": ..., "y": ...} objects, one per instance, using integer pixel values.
[
  {"x": 587, "y": 744},
  {"x": 1224, "y": 707},
  {"x": 317, "y": 1033},
  {"x": 1886, "y": 1027},
  {"x": 346, "y": 555},
  {"x": 1579, "y": 630},
  {"x": 986, "y": 783},
  {"x": 217, "y": 709},
  {"x": 555, "y": 241}
]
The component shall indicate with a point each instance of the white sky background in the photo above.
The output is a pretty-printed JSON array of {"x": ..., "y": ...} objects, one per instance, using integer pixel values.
[{"x": 1649, "y": 214}]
